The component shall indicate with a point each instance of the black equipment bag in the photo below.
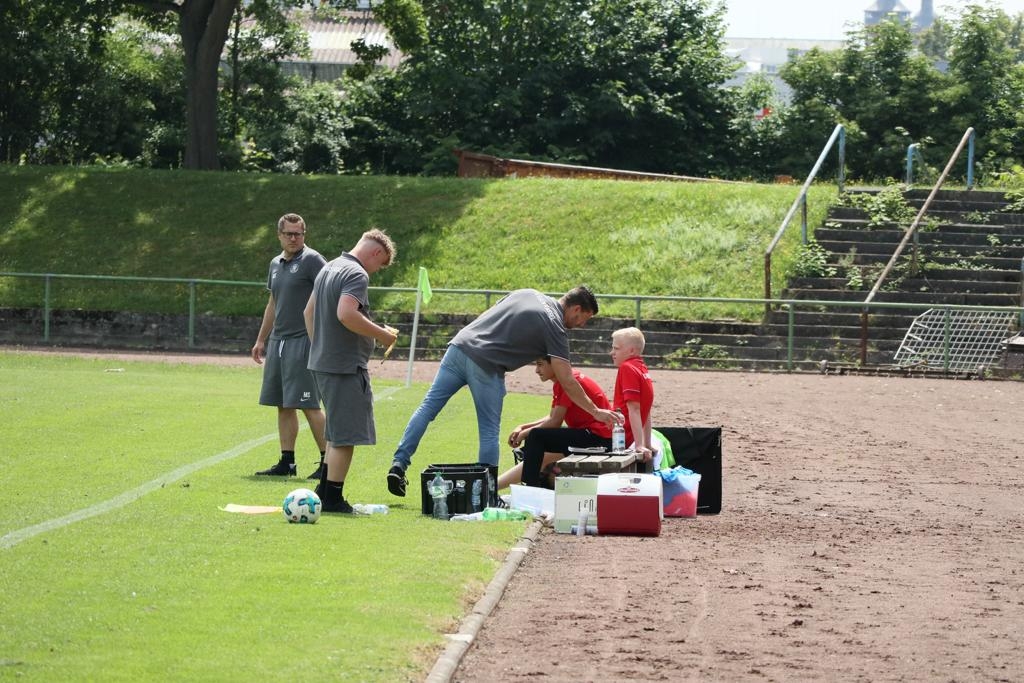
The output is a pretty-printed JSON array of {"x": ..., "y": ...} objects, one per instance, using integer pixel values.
[{"x": 700, "y": 449}]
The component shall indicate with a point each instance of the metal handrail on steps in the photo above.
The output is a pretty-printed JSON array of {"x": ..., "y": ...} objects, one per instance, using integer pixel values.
[
  {"x": 911, "y": 233},
  {"x": 913, "y": 151},
  {"x": 838, "y": 133}
]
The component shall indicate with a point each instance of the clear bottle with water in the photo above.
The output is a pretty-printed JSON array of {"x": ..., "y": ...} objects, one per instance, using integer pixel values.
[
  {"x": 439, "y": 489},
  {"x": 618, "y": 434},
  {"x": 370, "y": 509},
  {"x": 474, "y": 517},
  {"x": 478, "y": 487}
]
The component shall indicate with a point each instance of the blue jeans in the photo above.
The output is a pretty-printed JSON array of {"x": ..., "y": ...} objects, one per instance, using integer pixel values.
[{"x": 488, "y": 390}]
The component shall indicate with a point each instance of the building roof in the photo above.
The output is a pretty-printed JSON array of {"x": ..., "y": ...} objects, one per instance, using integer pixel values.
[
  {"x": 888, "y": 6},
  {"x": 331, "y": 41},
  {"x": 330, "y": 45}
]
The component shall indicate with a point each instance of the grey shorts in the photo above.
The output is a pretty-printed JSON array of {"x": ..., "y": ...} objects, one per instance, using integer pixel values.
[
  {"x": 348, "y": 402},
  {"x": 286, "y": 381}
]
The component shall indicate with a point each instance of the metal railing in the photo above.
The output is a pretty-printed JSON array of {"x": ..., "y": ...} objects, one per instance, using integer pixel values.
[
  {"x": 790, "y": 305},
  {"x": 912, "y": 233},
  {"x": 192, "y": 283},
  {"x": 838, "y": 133},
  {"x": 913, "y": 152}
]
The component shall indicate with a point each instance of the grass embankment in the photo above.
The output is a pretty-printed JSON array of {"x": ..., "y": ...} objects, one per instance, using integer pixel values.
[
  {"x": 659, "y": 239},
  {"x": 162, "y": 585}
]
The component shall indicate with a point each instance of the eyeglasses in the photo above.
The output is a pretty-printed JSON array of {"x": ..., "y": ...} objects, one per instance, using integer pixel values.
[{"x": 291, "y": 235}]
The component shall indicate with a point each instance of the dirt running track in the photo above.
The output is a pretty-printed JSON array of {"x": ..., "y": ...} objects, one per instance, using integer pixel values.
[{"x": 872, "y": 530}]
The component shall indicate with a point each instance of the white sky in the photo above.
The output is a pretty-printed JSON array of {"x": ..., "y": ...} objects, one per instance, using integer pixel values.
[{"x": 817, "y": 19}]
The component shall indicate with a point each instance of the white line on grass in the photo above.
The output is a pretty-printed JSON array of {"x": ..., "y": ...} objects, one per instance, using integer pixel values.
[
  {"x": 15, "y": 537},
  {"x": 20, "y": 535}
]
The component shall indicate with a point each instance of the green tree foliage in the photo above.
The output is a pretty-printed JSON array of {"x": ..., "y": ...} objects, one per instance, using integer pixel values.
[
  {"x": 758, "y": 129},
  {"x": 204, "y": 26},
  {"x": 619, "y": 83},
  {"x": 879, "y": 86},
  {"x": 50, "y": 53},
  {"x": 887, "y": 88},
  {"x": 988, "y": 95}
]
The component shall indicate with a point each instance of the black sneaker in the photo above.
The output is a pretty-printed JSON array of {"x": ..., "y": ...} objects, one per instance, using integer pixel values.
[
  {"x": 517, "y": 455},
  {"x": 341, "y": 506},
  {"x": 316, "y": 475},
  {"x": 397, "y": 481},
  {"x": 281, "y": 469}
]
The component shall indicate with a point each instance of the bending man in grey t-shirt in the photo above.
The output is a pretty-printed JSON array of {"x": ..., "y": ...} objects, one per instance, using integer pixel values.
[{"x": 522, "y": 327}]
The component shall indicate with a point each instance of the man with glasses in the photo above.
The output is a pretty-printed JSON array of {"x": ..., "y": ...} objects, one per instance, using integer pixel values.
[{"x": 284, "y": 343}]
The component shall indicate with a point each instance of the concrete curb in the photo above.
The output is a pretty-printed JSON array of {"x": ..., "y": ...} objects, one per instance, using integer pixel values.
[{"x": 449, "y": 660}]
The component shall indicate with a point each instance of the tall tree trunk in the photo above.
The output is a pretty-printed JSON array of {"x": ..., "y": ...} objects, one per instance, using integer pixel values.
[{"x": 204, "y": 30}]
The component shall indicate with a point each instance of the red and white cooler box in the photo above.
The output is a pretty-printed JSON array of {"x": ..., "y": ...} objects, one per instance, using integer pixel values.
[{"x": 629, "y": 503}]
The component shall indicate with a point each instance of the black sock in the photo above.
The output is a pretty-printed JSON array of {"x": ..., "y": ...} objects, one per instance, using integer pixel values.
[
  {"x": 332, "y": 492},
  {"x": 288, "y": 457}
]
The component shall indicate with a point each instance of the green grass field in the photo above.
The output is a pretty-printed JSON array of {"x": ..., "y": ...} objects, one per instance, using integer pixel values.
[
  {"x": 649, "y": 238},
  {"x": 152, "y": 581}
]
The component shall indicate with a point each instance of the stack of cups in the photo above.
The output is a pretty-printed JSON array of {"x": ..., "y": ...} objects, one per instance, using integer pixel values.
[{"x": 581, "y": 524}]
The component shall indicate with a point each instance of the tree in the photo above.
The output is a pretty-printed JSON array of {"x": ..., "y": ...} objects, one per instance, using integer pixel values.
[
  {"x": 624, "y": 83},
  {"x": 203, "y": 27},
  {"x": 987, "y": 94},
  {"x": 49, "y": 53},
  {"x": 879, "y": 86}
]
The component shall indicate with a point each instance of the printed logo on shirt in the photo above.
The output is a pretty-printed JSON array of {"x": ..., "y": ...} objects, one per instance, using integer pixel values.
[{"x": 294, "y": 268}]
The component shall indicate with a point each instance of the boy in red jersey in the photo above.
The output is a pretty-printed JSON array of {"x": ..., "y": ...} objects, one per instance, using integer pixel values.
[{"x": 634, "y": 391}]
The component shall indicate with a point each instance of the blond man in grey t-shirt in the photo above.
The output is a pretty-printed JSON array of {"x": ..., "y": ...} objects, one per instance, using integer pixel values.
[{"x": 343, "y": 334}]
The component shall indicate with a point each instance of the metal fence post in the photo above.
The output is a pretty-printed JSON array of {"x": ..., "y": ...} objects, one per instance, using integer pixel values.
[
  {"x": 789, "y": 340},
  {"x": 841, "y": 176},
  {"x": 946, "y": 334},
  {"x": 970, "y": 161},
  {"x": 191, "y": 314},
  {"x": 636, "y": 314},
  {"x": 46, "y": 308},
  {"x": 803, "y": 219}
]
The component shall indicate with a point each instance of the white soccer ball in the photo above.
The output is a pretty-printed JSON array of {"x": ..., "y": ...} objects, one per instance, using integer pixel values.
[{"x": 301, "y": 506}]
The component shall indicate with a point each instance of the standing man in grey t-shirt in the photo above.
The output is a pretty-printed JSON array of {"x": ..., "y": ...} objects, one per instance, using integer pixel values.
[
  {"x": 524, "y": 326},
  {"x": 339, "y": 323},
  {"x": 283, "y": 342}
]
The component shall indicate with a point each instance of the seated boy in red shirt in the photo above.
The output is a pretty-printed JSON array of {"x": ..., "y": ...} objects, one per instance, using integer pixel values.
[{"x": 545, "y": 440}]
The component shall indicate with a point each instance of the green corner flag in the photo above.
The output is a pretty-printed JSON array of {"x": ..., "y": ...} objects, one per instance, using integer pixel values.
[{"x": 424, "y": 286}]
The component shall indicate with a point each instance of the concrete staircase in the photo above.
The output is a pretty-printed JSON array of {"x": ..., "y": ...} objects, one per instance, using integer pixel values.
[{"x": 970, "y": 253}]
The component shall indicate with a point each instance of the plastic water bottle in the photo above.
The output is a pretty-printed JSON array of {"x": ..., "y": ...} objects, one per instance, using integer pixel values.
[
  {"x": 370, "y": 509},
  {"x": 618, "y": 434},
  {"x": 478, "y": 487},
  {"x": 474, "y": 517},
  {"x": 439, "y": 492}
]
